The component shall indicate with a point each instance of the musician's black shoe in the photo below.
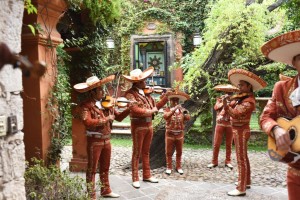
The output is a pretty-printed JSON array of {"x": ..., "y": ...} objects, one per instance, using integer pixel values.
[
  {"x": 229, "y": 165},
  {"x": 211, "y": 166},
  {"x": 180, "y": 171}
]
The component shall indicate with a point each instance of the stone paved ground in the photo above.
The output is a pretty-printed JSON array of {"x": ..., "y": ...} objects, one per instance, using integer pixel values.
[{"x": 265, "y": 172}]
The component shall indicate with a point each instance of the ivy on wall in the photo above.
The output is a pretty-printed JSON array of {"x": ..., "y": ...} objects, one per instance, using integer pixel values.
[{"x": 175, "y": 16}]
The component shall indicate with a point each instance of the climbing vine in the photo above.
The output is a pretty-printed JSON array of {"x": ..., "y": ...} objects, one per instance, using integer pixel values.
[
  {"x": 59, "y": 106},
  {"x": 174, "y": 16}
]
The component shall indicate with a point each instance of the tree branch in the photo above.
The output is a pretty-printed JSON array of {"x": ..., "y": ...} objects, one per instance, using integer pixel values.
[
  {"x": 271, "y": 7},
  {"x": 249, "y": 2},
  {"x": 276, "y": 5}
]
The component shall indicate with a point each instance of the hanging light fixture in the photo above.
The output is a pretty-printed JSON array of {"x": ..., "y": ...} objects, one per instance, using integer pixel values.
[
  {"x": 197, "y": 40},
  {"x": 110, "y": 43}
]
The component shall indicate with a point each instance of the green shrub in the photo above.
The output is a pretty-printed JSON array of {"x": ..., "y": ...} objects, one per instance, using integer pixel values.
[{"x": 43, "y": 182}]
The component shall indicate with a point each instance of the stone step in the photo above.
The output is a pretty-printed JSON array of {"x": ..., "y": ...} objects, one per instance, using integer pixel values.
[
  {"x": 121, "y": 126},
  {"x": 121, "y": 131}
]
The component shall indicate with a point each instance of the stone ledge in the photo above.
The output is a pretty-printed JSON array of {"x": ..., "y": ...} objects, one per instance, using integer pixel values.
[{"x": 120, "y": 132}]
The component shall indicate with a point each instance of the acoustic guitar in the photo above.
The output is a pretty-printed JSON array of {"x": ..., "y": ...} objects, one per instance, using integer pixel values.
[{"x": 292, "y": 155}]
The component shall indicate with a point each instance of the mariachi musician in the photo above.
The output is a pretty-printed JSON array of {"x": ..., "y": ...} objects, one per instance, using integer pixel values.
[
  {"x": 285, "y": 102},
  {"x": 98, "y": 122},
  {"x": 240, "y": 112},
  {"x": 142, "y": 109},
  {"x": 175, "y": 116},
  {"x": 223, "y": 124}
]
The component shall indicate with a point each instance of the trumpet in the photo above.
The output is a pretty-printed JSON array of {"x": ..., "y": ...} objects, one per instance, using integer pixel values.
[{"x": 181, "y": 109}]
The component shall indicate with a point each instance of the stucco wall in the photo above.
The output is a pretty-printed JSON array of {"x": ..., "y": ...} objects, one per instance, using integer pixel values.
[{"x": 12, "y": 151}]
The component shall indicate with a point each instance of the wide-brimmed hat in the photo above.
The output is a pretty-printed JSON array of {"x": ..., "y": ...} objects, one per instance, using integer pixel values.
[
  {"x": 283, "y": 48},
  {"x": 182, "y": 96},
  {"x": 236, "y": 75},
  {"x": 137, "y": 75},
  {"x": 92, "y": 82},
  {"x": 226, "y": 88}
]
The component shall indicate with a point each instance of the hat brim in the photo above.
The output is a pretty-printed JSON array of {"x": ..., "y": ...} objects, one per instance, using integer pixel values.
[
  {"x": 83, "y": 87},
  {"x": 180, "y": 95},
  {"x": 283, "y": 48},
  {"x": 145, "y": 74},
  {"x": 237, "y": 75},
  {"x": 284, "y": 77},
  {"x": 226, "y": 88}
]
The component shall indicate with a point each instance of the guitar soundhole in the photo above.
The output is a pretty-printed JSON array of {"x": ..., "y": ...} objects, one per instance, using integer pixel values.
[{"x": 292, "y": 133}]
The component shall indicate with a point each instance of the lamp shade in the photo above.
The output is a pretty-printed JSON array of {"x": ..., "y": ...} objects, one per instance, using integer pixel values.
[
  {"x": 110, "y": 43},
  {"x": 197, "y": 40}
]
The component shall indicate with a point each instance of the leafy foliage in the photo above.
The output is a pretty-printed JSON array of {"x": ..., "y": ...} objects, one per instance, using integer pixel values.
[
  {"x": 100, "y": 12},
  {"x": 29, "y": 7},
  {"x": 59, "y": 106},
  {"x": 292, "y": 7},
  {"x": 50, "y": 183},
  {"x": 238, "y": 29}
]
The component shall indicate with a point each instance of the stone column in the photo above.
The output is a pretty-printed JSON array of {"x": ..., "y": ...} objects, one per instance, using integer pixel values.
[
  {"x": 42, "y": 47},
  {"x": 12, "y": 152}
]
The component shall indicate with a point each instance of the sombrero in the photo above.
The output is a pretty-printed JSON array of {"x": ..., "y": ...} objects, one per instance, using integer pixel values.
[
  {"x": 137, "y": 75},
  {"x": 182, "y": 96},
  {"x": 226, "y": 88},
  {"x": 284, "y": 77},
  {"x": 236, "y": 75},
  {"x": 283, "y": 48},
  {"x": 91, "y": 83}
]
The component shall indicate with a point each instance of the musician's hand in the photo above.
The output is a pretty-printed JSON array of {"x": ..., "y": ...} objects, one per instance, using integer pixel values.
[
  {"x": 178, "y": 106},
  {"x": 167, "y": 93},
  {"x": 154, "y": 110},
  {"x": 224, "y": 102},
  {"x": 111, "y": 117},
  {"x": 282, "y": 138}
]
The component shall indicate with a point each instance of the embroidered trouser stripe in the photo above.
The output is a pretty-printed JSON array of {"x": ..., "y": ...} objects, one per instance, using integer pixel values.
[
  {"x": 293, "y": 183},
  {"x": 219, "y": 131},
  {"x": 241, "y": 137},
  {"x": 173, "y": 142},
  {"x": 99, "y": 153},
  {"x": 142, "y": 138}
]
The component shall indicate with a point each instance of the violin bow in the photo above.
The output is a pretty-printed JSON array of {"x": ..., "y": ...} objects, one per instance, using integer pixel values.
[
  {"x": 153, "y": 89},
  {"x": 116, "y": 89}
]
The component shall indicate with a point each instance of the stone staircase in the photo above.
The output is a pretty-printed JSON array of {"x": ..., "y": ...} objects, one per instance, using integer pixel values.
[{"x": 121, "y": 129}]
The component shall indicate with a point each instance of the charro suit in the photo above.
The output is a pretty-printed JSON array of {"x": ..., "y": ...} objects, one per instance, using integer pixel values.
[
  {"x": 174, "y": 135},
  {"x": 223, "y": 125},
  {"x": 141, "y": 129},
  {"x": 98, "y": 129},
  {"x": 280, "y": 106},
  {"x": 240, "y": 114}
]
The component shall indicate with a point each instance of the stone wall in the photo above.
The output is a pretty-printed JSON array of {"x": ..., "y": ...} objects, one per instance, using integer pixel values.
[{"x": 12, "y": 151}]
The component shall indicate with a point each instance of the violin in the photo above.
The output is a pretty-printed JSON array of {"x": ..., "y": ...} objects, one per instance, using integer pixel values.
[
  {"x": 155, "y": 89},
  {"x": 238, "y": 96},
  {"x": 235, "y": 96},
  {"x": 109, "y": 102}
]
